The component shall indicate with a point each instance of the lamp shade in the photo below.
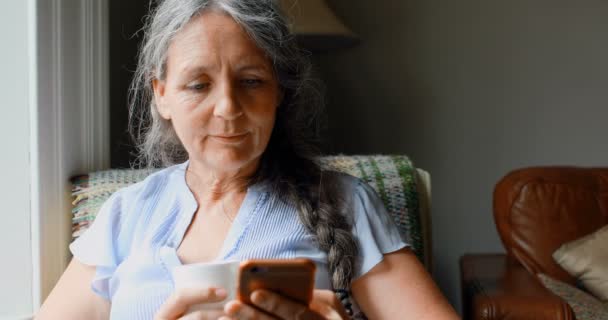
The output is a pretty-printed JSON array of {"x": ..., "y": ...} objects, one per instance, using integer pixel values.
[{"x": 316, "y": 27}]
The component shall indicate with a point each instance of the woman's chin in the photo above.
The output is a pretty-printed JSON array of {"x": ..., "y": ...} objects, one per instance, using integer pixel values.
[{"x": 226, "y": 159}]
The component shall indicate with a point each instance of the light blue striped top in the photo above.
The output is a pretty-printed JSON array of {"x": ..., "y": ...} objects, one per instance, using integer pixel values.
[{"x": 134, "y": 238}]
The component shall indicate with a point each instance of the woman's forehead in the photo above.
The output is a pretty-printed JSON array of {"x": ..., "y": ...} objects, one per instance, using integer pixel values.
[
  {"x": 198, "y": 67},
  {"x": 211, "y": 22},
  {"x": 214, "y": 38}
]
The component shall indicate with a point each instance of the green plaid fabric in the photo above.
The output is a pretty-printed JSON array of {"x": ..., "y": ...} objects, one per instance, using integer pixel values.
[{"x": 393, "y": 178}]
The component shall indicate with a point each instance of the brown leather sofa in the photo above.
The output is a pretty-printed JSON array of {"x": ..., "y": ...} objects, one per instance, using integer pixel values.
[{"x": 536, "y": 210}]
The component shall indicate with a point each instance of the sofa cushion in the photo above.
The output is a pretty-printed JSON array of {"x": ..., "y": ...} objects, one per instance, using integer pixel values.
[
  {"x": 587, "y": 259},
  {"x": 585, "y": 306}
]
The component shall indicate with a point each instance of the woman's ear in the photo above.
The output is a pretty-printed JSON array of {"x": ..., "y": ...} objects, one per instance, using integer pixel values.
[{"x": 159, "y": 99}]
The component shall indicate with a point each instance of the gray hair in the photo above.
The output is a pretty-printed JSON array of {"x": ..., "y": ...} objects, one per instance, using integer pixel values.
[{"x": 289, "y": 163}]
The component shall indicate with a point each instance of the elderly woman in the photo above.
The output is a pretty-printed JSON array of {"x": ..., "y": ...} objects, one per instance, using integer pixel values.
[{"x": 223, "y": 99}]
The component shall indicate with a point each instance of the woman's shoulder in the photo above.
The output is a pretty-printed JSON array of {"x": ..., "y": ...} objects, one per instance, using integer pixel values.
[
  {"x": 131, "y": 213},
  {"x": 373, "y": 226},
  {"x": 348, "y": 184},
  {"x": 161, "y": 179},
  {"x": 141, "y": 201}
]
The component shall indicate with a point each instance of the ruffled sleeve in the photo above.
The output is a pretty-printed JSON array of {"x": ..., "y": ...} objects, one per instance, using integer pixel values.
[
  {"x": 374, "y": 229},
  {"x": 98, "y": 246}
]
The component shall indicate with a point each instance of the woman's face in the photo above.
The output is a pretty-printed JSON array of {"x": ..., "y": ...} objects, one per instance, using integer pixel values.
[{"x": 220, "y": 93}]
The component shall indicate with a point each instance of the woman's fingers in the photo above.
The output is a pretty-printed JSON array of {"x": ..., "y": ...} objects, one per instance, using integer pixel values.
[
  {"x": 204, "y": 315},
  {"x": 181, "y": 300},
  {"x": 269, "y": 306},
  {"x": 282, "y": 307},
  {"x": 327, "y": 305},
  {"x": 325, "y": 296},
  {"x": 241, "y": 311}
]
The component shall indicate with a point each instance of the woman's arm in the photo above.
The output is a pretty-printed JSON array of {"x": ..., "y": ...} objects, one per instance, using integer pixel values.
[
  {"x": 72, "y": 297},
  {"x": 399, "y": 287}
]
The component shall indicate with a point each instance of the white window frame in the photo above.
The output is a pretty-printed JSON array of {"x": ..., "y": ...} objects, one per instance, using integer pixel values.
[{"x": 69, "y": 117}]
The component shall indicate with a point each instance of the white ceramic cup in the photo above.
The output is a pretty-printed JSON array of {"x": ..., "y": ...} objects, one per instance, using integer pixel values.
[{"x": 213, "y": 274}]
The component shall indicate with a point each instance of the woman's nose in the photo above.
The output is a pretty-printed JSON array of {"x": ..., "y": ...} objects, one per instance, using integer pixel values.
[{"x": 227, "y": 106}]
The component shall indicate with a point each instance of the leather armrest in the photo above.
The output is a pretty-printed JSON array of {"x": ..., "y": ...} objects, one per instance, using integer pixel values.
[{"x": 496, "y": 287}]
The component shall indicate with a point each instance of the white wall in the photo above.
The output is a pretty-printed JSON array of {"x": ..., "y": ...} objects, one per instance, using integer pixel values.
[
  {"x": 15, "y": 244},
  {"x": 470, "y": 90}
]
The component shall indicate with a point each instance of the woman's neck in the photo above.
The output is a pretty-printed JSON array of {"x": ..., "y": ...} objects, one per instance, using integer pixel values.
[{"x": 212, "y": 184}]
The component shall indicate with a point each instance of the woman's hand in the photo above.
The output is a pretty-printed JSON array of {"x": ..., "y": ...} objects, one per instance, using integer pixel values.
[
  {"x": 271, "y": 306},
  {"x": 179, "y": 302}
]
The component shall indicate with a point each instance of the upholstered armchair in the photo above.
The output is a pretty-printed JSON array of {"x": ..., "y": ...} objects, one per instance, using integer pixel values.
[{"x": 536, "y": 210}]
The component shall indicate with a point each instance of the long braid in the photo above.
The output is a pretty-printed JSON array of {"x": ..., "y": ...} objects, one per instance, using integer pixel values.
[
  {"x": 333, "y": 234},
  {"x": 321, "y": 208}
]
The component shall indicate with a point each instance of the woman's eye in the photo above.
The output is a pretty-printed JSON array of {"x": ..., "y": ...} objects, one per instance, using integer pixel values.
[
  {"x": 251, "y": 82},
  {"x": 198, "y": 86}
]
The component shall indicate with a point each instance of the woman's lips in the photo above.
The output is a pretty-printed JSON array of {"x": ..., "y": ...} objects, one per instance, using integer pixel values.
[{"x": 230, "y": 138}]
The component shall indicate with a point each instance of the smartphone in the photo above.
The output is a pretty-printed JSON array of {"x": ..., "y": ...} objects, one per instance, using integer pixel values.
[{"x": 292, "y": 278}]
